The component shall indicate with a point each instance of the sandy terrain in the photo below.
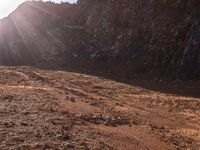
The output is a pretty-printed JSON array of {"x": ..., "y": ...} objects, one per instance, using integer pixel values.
[{"x": 42, "y": 109}]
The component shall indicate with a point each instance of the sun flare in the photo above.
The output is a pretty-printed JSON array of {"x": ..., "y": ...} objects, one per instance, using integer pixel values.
[{"x": 7, "y": 6}]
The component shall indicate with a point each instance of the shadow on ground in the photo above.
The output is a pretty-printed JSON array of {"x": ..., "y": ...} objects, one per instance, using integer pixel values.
[
  {"x": 190, "y": 88},
  {"x": 177, "y": 87}
]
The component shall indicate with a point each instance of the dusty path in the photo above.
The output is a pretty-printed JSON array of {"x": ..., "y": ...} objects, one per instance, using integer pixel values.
[{"x": 42, "y": 109}]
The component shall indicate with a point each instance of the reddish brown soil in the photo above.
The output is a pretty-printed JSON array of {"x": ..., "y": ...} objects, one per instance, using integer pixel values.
[{"x": 42, "y": 109}]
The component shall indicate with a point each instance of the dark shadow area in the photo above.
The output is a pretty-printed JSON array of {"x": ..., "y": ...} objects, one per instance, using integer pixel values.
[{"x": 190, "y": 88}]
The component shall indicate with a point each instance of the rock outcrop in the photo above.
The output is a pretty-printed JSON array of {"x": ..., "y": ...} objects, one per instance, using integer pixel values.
[{"x": 124, "y": 36}]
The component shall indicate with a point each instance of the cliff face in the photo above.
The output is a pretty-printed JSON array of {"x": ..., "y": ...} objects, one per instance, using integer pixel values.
[
  {"x": 145, "y": 36},
  {"x": 124, "y": 36}
]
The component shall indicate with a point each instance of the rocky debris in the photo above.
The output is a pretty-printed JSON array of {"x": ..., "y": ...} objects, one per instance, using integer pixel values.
[
  {"x": 183, "y": 105},
  {"x": 34, "y": 114},
  {"x": 8, "y": 97},
  {"x": 72, "y": 99},
  {"x": 25, "y": 123},
  {"x": 66, "y": 136},
  {"x": 179, "y": 141},
  {"x": 113, "y": 121},
  {"x": 7, "y": 124}
]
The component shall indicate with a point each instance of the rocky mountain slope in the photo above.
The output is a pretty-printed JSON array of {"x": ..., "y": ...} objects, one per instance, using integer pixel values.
[
  {"x": 49, "y": 107},
  {"x": 146, "y": 36}
]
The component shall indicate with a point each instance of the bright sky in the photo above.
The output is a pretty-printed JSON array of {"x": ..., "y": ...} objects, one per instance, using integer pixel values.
[{"x": 7, "y": 6}]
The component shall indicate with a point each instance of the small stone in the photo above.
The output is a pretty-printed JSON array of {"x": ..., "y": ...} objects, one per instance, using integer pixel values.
[
  {"x": 24, "y": 124},
  {"x": 70, "y": 146},
  {"x": 66, "y": 136},
  {"x": 72, "y": 99},
  {"x": 8, "y": 97}
]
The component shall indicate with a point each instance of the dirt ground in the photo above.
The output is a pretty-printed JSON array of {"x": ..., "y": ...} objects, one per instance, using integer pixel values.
[{"x": 41, "y": 109}]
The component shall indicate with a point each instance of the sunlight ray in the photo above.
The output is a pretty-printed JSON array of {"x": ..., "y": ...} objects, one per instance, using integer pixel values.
[{"x": 43, "y": 10}]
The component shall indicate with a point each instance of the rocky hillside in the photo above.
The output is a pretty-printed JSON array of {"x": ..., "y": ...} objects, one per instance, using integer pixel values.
[
  {"x": 146, "y": 36},
  {"x": 34, "y": 33}
]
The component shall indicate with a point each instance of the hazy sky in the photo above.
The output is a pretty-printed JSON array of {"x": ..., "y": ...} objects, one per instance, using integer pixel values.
[{"x": 7, "y": 6}]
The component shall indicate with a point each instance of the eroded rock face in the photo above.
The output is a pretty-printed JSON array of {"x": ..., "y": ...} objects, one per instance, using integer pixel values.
[
  {"x": 149, "y": 36},
  {"x": 124, "y": 36}
]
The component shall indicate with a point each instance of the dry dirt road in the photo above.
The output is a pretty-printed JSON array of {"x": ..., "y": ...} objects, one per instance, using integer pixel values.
[{"x": 42, "y": 109}]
